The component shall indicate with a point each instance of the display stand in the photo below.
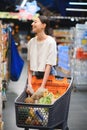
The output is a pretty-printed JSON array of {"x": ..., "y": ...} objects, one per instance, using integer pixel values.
[
  {"x": 4, "y": 71},
  {"x": 64, "y": 39},
  {"x": 1, "y": 59},
  {"x": 79, "y": 62}
]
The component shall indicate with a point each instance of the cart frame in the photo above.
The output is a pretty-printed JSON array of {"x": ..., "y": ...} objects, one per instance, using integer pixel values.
[{"x": 58, "y": 112}]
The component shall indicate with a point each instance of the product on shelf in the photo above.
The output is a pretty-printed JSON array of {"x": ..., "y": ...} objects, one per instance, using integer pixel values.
[
  {"x": 80, "y": 55},
  {"x": 64, "y": 36},
  {"x": 3, "y": 66}
]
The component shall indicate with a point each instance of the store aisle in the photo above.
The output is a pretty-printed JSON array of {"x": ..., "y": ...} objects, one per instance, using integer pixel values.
[
  {"x": 78, "y": 106},
  {"x": 14, "y": 89}
]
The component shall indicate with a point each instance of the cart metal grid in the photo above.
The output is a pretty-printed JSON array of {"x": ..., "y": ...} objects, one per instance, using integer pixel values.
[{"x": 48, "y": 116}]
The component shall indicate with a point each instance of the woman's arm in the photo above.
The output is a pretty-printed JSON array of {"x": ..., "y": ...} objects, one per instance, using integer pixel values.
[
  {"x": 46, "y": 75},
  {"x": 29, "y": 88},
  {"x": 29, "y": 75}
]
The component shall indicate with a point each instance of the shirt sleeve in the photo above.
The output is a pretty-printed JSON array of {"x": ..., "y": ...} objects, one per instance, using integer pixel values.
[{"x": 52, "y": 54}]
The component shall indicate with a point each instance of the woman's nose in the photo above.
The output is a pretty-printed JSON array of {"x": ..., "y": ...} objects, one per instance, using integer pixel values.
[{"x": 32, "y": 23}]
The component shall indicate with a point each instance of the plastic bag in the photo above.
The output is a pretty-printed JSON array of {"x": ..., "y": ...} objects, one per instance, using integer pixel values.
[{"x": 16, "y": 62}]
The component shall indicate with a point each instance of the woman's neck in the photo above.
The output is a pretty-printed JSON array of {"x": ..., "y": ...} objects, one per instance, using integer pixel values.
[{"x": 41, "y": 36}]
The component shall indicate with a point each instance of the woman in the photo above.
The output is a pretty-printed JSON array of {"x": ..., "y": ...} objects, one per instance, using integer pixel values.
[{"x": 42, "y": 52}]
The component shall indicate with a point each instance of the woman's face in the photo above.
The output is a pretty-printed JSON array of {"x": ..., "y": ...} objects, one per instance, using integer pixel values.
[{"x": 37, "y": 26}]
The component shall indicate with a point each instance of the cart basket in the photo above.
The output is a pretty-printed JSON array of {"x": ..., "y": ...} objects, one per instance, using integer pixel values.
[{"x": 38, "y": 116}]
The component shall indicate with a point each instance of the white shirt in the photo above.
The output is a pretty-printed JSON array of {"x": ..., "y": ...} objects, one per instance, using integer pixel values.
[{"x": 41, "y": 53}]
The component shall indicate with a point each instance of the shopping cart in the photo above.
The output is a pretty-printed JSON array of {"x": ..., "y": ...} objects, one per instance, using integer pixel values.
[{"x": 44, "y": 117}]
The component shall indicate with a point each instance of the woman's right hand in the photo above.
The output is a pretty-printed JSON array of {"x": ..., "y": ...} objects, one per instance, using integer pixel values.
[{"x": 29, "y": 90}]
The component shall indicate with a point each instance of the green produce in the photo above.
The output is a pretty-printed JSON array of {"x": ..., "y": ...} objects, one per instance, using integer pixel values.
[{"x": 47, "y": 99}]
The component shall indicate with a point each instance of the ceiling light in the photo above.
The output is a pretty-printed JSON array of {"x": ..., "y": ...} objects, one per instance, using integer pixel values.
[
  {"x": 78, "y": 3},
  {"x": 76, "y": 9},
  {"x": 23, "y": 3},
  {"x": 72, "y": 19}
]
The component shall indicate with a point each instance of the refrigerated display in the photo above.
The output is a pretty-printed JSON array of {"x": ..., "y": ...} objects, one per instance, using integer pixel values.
[{"x": 79, "y": 61}]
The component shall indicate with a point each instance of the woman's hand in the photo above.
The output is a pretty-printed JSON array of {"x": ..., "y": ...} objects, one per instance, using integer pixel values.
[
  {"x": 39, "y": 92},
  {"x": 29, "y": 90}
]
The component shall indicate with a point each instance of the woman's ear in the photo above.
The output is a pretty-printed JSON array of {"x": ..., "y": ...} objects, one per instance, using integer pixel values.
[{"x": 44, "y": 25}]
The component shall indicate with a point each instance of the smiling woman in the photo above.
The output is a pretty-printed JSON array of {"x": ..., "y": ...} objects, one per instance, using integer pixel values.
[{"x": 42, "y": 53}]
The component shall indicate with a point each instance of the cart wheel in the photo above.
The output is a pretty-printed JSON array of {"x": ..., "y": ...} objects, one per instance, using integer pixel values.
[
  {"x": 3, "y": 105},
  {"x": 26, "y": 129},
  {"x": 67, "y": 128}
]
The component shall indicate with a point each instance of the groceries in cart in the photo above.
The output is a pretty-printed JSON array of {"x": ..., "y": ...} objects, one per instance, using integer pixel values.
[
  {"x": 42, "y": 97},
  {"x": 53, "y": 90},
  {"x": 37, "y": 116}
]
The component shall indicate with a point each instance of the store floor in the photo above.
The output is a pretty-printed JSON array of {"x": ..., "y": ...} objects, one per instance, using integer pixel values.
[{"x": 77, "y": 119}]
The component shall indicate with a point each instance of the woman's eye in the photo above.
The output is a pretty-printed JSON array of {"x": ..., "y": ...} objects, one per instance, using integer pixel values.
[{"x": 35, "y": 21}]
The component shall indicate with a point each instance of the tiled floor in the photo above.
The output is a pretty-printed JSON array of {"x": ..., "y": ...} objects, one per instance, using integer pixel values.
[{"x": 77, "y": 119}]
